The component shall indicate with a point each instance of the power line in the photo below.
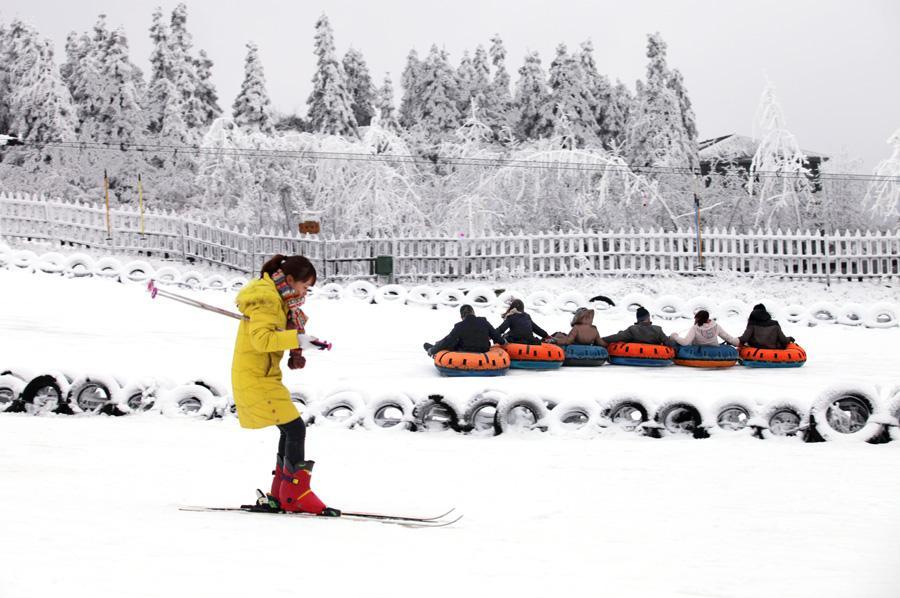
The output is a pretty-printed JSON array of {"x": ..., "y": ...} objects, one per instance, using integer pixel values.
[{"x": 499, "y": 162}]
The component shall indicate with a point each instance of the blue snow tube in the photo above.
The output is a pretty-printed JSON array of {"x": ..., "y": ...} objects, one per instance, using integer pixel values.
[
  {"x": 585, "y": 355},
  {"x": 706, "y": 356}
]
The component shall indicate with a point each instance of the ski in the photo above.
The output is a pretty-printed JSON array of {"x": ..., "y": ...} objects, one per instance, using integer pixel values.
[{"x": 401, "y": 520}]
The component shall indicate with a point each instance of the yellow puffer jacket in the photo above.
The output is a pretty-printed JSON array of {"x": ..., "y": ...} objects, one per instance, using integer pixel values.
[{"x": 260, "y": 397}]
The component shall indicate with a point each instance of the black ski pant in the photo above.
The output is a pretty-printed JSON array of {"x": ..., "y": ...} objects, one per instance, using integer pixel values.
[{"x": 291, "y": 445}]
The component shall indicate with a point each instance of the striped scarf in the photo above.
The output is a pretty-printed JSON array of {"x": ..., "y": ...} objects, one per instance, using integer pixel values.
[{"x": 296, "y": 319}]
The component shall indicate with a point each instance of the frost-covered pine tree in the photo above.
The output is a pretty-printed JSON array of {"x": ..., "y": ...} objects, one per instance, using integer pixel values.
[
  {"x": 531, "y": 96},
  {"x": 676, "y": 84},
  {"x": 161, "y": 84},
  {"x": 40, "y": 104},
  {"x": 206, "y": 91},
  {"x": 252, "y": 109},
  {"x": 384, "y": 105},
  {"x": 601, "y": 92},
  {"x": 360, "y": 86},
  {"x": 81, "y": 73},
  {"x": 465, "y": 82},
  {"x": 481, "y": 81},
  {"x": 656, "y": 133},
  {"x": 498, "y": 114},
  {"x": 184, "y": 69},
  {"x": 883, "y": 195},
  {"x": 779, "y": 176},
  {"x": 120, "y": 119},
  {"x": 6, "y": 59},
  {"x": 570, "y": 97},
  {"x": 330, "y": 103},
  {"x": 410, "y": 81},
  {"x": 618, "y": 112},
  {"x": 439, "y": 110}
]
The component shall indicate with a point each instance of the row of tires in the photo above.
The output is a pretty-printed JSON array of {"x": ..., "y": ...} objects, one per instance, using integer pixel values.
[
  {"x": 850, "y": 412},
  {"x": 883, "y": 314}
]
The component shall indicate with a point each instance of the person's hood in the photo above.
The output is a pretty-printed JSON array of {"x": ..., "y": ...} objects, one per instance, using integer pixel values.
[
  {"x": 759, "y": 316},
  {"x": 256, "y": 292}
]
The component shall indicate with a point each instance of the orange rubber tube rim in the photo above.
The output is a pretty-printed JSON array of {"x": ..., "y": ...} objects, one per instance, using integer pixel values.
[
  {"x": 542, "y": 352},
  {"x": 640, "y": 351},
  {"x": 495, "y": 359},
  {"x": 794, "y": 353}
]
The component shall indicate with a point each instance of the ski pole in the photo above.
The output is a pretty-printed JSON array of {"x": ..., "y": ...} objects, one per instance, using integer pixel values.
[{"x": 155, "y": 290}]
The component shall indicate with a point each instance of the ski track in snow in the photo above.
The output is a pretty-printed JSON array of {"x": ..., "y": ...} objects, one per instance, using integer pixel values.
[{"x": 88, "y": 505}]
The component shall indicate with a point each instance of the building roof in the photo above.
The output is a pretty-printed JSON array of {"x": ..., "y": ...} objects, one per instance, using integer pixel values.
[{"x": 736, "y": 148}]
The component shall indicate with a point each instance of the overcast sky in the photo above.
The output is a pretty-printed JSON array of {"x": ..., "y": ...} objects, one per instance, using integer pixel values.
[{"x": 835, "y": 64}]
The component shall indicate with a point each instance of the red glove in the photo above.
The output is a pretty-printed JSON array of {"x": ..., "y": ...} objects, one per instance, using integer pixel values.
[{"x": 296, "y": 361}]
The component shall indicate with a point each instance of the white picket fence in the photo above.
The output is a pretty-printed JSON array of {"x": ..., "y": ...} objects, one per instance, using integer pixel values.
[{"x": 166, "y": 235}]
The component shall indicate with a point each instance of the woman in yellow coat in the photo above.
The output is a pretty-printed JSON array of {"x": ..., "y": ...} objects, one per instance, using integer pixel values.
[{"x": 274, "y": 324}]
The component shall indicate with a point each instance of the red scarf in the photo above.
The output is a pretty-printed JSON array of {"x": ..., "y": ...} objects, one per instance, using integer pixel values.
[{"x": 296, "y": 319}]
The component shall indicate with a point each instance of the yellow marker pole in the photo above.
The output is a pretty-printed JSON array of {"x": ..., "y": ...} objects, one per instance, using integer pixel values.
[
  {"x": 141, "y": 202},
  {"x": 106, "y": 191}
]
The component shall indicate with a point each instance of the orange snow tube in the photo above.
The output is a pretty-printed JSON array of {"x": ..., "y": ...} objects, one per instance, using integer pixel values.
[
  {"x": 791, "y": 357},
  {"x": 642, "y": 354},
  {"x": 535, "y": 357},
  {"x": 457, "y": 363}
]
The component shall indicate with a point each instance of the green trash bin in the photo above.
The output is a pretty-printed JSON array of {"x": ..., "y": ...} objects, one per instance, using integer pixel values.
[{"x": 384, "y": 265}]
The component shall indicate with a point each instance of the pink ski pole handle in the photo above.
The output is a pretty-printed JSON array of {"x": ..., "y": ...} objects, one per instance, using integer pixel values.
[{"x": 322, "y": 345}]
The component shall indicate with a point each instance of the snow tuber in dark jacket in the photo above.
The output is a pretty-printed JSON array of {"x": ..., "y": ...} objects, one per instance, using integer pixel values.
[
  {"x": 763, "y": 332},
  {"x": 471, "y": 335},
  {"x": 521, "y": 329}
]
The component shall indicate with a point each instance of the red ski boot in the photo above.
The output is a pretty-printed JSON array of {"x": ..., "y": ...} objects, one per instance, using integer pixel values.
[
  {"x": 274, "y": 495},
  {"x": 295, "y": 493}
]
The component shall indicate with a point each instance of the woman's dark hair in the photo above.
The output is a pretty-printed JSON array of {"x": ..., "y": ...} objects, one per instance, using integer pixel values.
[
  {"x": 299, "y": 267},
  {"x": 701, "y": 317}
]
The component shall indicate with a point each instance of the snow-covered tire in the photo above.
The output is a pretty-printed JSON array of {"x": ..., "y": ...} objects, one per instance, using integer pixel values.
[
  {"x": 632, "y": 301},
  {"x": 192, "y": 279},
  {"x": 570, "y": 301},
  {"x": 520, "y": 412},
  {"x": 730, "y": 415},
  {"x": 781, "y": 418},
  {"x": 390, "y": 293},
  {"x": 679, "y": 417},
  {"x": 138, "y": 396},
  {"x": 78, "y": 265},
  {"x": 5, "y": 258},
  {"x": 449, "y": 298},
  {"x": 540, "y": 301},
  {"x": 91, "y": 393},
  {"x": 823, "y": 312},
  {"x": 192, "y": 400},
  {"x": 343, "y": 409},
  {"x": 391, "y": 412},
  {"x": 46, "y": 393},
  {"x": 24, "y": 259},
  {"x": 137, "y": 271},
  {"x": 360, "y": 290},
  {"x": 10, "y": 389},
  {"x": 331, "y": 290},
  {"x": 795, "y": 313},
  {"x": 51, "y": 263},
  {"x": 167, "y": 275},
  {"x": 108, "y": 267},
  {"x": 892, "y": 408},
  {"x": 215, "y": 282},
  {"x": 851, "y": 314},
  {"x": 734, "y": 308},
  {"x": 237, "y": 283},
  {"x": 882, "y": 315},
  {"x": 668, "y": 307},
  {"x": 481, "y": 297},
  {"x": 692, "y": 306},
  {"x": 574, "y": 416},
  {"x": 421, "y": 295},
  {"x": 846, "y": 413},
  {"x": 435, "y": 414},
  {"x": 628, "y": 413},
  {"x": 479, "y": 413}
]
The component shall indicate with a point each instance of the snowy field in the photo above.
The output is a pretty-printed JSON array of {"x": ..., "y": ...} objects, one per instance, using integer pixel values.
[{"x": 88, "y": 505}]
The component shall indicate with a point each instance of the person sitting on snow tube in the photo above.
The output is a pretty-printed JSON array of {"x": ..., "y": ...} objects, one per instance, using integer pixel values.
[
  {"x": 521, "y": 328},
  {"x": 763, "y": 332},
  {"x": 642, "y": 331},
  {"x": 704, "y": 332},
  {"x": 583, "y": 330},
  {"x": 472, "y": 334}
]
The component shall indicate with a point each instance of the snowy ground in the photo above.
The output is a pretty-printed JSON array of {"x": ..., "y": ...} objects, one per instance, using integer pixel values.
[{"x": 544, "y": 515}]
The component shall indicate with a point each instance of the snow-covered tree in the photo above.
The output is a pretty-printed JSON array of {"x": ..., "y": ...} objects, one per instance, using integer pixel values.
[
  {"x": 184, "y": 69},
  {"x": 465, "y": 82},
  {"x": 498, "y": 103},
  {"x": 883, "y": 194},
  {"x": 206, "y": 91},
  {"x": 410, "y": 81},
  {"x": 531, "y": 96},
  {"x": 330, "y": 103},
  {"x": 161, "y": 85},
  {"x": 439, "y": 111},
  {"x": 779, "y": 175},
  {"x": 384, "y": 106},
  {"x": 570, "y": 106},
  {"x": 119, "y": 119},
  {"x": 676, "y": 84},
  {"x": 252, "y": 109},
  {"x": 616, "y": 118},
  {"x": 40, "y": 104},
  {"x": 601, "y": 93},
  {"x": 6, "y": 59},
  {"x": 360, "y": 86}
]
